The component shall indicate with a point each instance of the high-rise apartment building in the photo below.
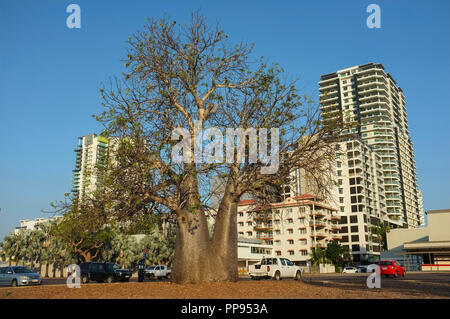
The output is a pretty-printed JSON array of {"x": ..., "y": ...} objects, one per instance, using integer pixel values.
[
  {"x": 90, "y": 156},
  {"x": 368, "y": 96}
]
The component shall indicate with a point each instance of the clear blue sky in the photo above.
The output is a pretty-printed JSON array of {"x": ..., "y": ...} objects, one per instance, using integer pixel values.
[{"x": 49, "y": 75}]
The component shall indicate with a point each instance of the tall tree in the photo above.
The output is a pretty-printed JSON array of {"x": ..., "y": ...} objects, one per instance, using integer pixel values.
[
  {"x": 188, "y": 77},
  {"x": 334, "y": 253}
]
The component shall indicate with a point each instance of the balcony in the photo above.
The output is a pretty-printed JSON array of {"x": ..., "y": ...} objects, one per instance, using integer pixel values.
[
  {"x": 317, "y": 214},
  {"x": 317, "y": 224},
  {"x": 318, "y": 235},
  {"x": 263, "y": 228}
]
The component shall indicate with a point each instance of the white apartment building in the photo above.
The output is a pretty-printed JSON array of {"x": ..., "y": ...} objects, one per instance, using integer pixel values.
[
  {"x": 361, "y": 197},
  {"x": 369, "y": 97},
  {"x": 292, "y": 227},
  {"x": 90, "y": 156}
]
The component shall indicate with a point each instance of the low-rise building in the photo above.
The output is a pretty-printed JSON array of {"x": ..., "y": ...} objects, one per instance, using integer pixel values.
[
  {"x": 250, "y": 252},
  {"x": 428, "y": 246},
  {"x": 31, "y": 224}
]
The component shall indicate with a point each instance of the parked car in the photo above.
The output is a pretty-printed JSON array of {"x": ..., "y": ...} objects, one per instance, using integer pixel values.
[
  {"x": 350, "y": 270},
  {"x": 157, "y": 271},
  {"x": 275, "y": 268},
  {"x": 362, "y": 269},
  {"x": 18, "y": 276},
  {"x": 391, "y": 268},
  {"x": 100, "y": 272}
]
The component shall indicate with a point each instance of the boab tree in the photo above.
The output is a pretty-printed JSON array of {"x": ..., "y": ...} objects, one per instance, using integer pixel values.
[{"x": 178, "y": 80}]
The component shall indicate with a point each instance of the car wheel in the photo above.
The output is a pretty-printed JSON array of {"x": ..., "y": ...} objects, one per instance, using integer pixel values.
[
  {"x": 151, "y": 277},
  {"x": 298, "y": 275},
  {"x": 85, "y": 279},
  {"x": 277, "y": 276},
  {"x": 14, "y": 283},
  {"x": 110, "y": 279},
  {"x": 404, "y": 273},
  {"x": 168, "y": 276},
  {"x": 396, "y": 274}
]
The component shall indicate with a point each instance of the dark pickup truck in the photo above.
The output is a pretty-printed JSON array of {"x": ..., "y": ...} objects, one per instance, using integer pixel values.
[{"x": 101, "y": 272}]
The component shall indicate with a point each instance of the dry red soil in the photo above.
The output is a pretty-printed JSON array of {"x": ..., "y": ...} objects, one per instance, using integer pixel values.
[{"x": 240, "y": 290}]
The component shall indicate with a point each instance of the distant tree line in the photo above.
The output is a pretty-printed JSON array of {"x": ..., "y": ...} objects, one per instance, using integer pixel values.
[{"x": 46, "y": 246}]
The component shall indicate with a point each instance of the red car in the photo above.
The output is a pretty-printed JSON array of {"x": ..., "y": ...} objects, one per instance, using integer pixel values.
[{"x": 391, "y": 267}]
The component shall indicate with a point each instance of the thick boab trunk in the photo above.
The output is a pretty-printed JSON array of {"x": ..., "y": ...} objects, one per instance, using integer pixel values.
[
  {"x": 196, "y": 260},
  {"x": 224, "y": 241}
]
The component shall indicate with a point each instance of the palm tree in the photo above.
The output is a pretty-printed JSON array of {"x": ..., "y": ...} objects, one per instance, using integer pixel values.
[
  {"x": 319, "y": 256},
  {"x": 380, "y": 231}
]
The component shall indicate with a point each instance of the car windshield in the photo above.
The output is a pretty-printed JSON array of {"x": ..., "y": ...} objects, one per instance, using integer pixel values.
[
  {"x": 22, "y": 270},
  {"x": 115, "y": 266},
  {"x": 151, "y": 267}
]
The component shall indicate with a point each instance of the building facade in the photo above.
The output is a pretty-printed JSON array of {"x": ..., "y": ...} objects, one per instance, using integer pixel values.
[
  {"x": 292, "y": 227},
  {"x": 32, "y": 224},
  {"x": 369, "y": 97},
  {"x": 430, "y": 245},
  {"x": 360, "y": 195},
  {"x": 90, "y": 156}
]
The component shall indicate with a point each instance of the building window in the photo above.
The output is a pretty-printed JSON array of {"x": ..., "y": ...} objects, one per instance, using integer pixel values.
[
  {"x": 291, "y": 252},
  {"x": 290, "y": 231},
  {"x": 241, "y": 214},
  {"x": 340, "y": 181},
  {"x": 341, "y": 200},
  {"x": 339, "y": 172},
  {"x": 249, "y": 223},
  {"x": 302, "y": 230},
  {"x": 355, "y": 238},
  {"x": 342, "y": 209},
  {"x": 304, "y": 253},
  {"x": 278, "y": 253},
  {"x": 339, "y": 164},
  {"x": 341, "y": 191},
  {"x": 290, "y": 241}
]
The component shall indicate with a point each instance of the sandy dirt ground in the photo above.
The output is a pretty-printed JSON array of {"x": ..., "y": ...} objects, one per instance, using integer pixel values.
[{"x": 268, "y": 289}]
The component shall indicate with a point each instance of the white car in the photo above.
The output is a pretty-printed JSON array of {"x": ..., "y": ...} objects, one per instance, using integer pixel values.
[
  {"x": 158, "y": 271},
  {"x": 275, "y": 268},
  {"x": 350, "y": 270}
]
